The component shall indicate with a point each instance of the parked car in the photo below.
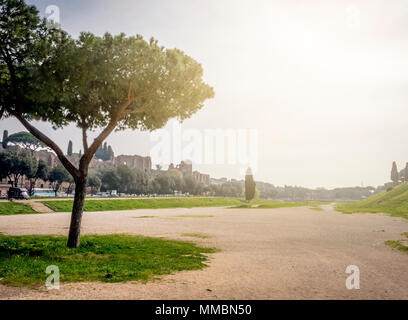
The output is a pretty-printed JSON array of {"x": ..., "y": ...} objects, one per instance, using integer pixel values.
[
  {"x": 113, "y": 193},
  {"x": 18, "y": 193}
]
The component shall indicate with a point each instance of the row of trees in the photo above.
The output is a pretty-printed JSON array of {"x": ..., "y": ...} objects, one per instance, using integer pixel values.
[
  {"x": 104, "y": 152},
  {"x": 123, "y": 178},
  {"x": 19, "y": 166},
  {"x": 134, "y": 181}
]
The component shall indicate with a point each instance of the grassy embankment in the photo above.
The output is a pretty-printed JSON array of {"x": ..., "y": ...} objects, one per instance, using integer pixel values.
[
  {"x": 393, "y": 202},
  {"x": 163, "y": 203},
  {"x": 131, "y": 204},
  {"x": 9, "y": 208},
  {"x": 156, "y": 203},
  {"x": 108, "y": 258}
]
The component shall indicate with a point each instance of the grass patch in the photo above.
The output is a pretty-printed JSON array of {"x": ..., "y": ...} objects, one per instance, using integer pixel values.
[
  {"x": 24, "y": 259},
  {"x": 401, "y": 245},
  {"x": 196, "y": 235},
  {"x": 9, "y": 208},
  {"x": 131, "y": 204},
  {"x": 273, "y": 204},
  {"x": 397, "y": 244},
  {"x": 393, "y": 203}
]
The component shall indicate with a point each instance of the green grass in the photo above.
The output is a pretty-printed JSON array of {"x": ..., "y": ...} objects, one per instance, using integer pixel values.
[
  {"x": 9, "y": 208},
  {"x": 272, "y": 204},
  {"x": 24, "y": 259},
  {"x": 196, "y": 235},
  {"x": 394, "y": 203},
  {"x": 399, "y": 244},
  {"x": 131, "y": 204}
]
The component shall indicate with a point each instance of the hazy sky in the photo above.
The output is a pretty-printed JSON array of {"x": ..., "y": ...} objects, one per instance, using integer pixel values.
[{"x": 325, "y": 83}]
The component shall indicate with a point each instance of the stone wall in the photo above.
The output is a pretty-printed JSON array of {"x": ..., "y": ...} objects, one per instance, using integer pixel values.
[
  {"x": 142, "y": 163},
  {"x": 203, "y": 178}
]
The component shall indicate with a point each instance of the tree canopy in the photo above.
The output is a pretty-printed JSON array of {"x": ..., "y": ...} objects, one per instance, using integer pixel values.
[
  {"x": 109, "y": 82},
  {"x": 104, "y": 153},
  {"x": 14, "y": 165},
  {"x": 104, "y": 83},
  {"x": 25, "y": 140}
]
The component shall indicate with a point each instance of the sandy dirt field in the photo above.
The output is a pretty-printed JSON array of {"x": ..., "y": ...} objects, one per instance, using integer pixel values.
[{"x": 291, "y": 253}]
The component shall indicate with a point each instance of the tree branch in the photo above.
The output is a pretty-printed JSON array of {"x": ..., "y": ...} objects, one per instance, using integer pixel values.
[
  {"x": 135, "y": 111},
  {"x": 84, "y": 140},
  {"x": 108, "y": 130},
  {"x": 51, "y": 144}
]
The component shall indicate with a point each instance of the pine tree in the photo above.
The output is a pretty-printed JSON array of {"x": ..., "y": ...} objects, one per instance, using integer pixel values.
[
  {"x": 69, "y": 152},
  {"x": 394, "y": 173},
  {"x": 5, "y": 136},
  {"x": 250, "y": 186}
]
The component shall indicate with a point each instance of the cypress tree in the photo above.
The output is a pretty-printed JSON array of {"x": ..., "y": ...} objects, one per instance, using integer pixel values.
[
  {"x": 394, "y": 173},
  {"x": 249, "y": 186},
  {"x": 5, "y": 136},
  {"x": 69, "y": 152}
]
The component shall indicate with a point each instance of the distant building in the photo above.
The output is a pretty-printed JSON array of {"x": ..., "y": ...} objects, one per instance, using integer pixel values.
[
  {"x": 133, "y": 161},
  {"x": 186, "y": 168},
  {"x": 48, "y": 157},
  {"x": 203, "y": 178},
  {"x": 218, "y": 181},
  {"x": 142, "y": 163}
]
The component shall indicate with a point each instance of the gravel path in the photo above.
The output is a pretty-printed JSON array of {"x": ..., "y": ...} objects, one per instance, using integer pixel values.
[
  {"x": 39, "y": 207},
  {"x": 291, "y": 253}
]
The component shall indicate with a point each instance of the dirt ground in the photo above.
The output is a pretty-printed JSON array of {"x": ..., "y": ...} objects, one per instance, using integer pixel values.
[{"x": 290, "y": 253}]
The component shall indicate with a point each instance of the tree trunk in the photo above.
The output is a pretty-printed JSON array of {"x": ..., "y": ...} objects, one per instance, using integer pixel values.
[{"x": 77, "y": 210}]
